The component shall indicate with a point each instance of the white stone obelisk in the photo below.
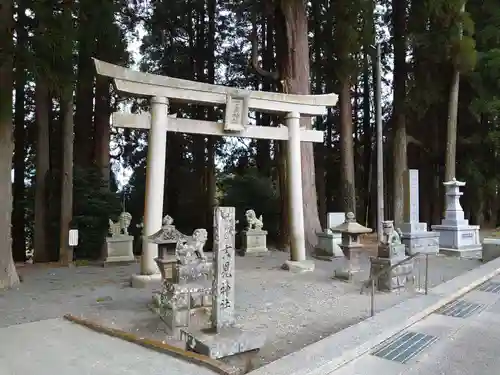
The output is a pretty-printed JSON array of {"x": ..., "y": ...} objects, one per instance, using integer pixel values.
[
  {"x": 295, "y": 198},
  {"x": 155, "y": 181}
]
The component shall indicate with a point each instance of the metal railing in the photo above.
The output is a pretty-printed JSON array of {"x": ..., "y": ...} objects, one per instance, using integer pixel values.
[{"x": 371, "y": 281}]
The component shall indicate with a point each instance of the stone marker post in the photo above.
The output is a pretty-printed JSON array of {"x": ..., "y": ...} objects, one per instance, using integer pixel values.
[
  {"x": 414, "y": 233},
  {"x": 223, "y": 339},
  {"x": 223, "y": 284}
]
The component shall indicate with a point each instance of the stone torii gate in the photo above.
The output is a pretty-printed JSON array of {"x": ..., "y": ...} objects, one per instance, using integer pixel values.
[{"x": 161, "y": 89}]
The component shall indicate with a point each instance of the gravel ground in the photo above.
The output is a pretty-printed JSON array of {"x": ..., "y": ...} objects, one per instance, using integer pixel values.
[{"x": 294, "y": 310}]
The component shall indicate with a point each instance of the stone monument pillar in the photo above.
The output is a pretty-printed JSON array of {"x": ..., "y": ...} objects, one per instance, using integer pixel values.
[
  {"x": 390, "y": 252},
  {"x": 457, "y": 237},
  {"x": 119, "y": 245},
  {"x": 253, "y": 237},
  {"x": 328, "y": 241},
  {"x": 350, "y": 245},
  {"x": 414, "y": 233},
  {"x": 223, "y": 339}
]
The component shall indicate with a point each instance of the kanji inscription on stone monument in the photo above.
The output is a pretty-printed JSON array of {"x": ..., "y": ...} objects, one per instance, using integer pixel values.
[
  {"x": 236, "y": 117},
  {"x": 412, "y": 197},
  {"x": 223, "y": 287}
]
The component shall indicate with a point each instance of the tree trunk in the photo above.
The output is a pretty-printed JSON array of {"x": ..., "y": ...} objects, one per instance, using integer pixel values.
[
  {"x": 347, "y": 147},
  {"x": 65, "y": 256},
  {"x": 451, "y": 126},
  {"x": 211, "y": 141},
  {"x": 85, "y": 86},
  {"x": 367, "y": 142},
  {"x": 19, "y": 205},
  {"x": 400, "y": 141},
  {"x": 8, "y": 273},
  {"x": 41, "y": 251},
  {"x": 294, "y": 72},
  {"x": 101, "y": 120}
]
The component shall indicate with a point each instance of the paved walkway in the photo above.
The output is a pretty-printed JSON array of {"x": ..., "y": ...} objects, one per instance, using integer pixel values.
[
  {"x": 56, "y": 346},
  {"x": 462, "y": 338}
]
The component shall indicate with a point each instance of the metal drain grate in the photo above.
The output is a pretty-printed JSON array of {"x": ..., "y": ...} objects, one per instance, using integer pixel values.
[
  {"x": 460, "y": 309},
  {"x": 490, "y": 287},
  {"x": 405, "y": 347}
]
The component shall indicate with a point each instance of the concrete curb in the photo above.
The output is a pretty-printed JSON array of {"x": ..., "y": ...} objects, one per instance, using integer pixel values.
[
  {"x": 191, "y": 357},
  {"x": 335, "y": 351}
]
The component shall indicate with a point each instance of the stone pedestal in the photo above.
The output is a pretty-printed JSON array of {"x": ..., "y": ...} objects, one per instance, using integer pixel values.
[
  {"x": 351, "y": 262},
  {"x": 421, "y": 242},
  {"x": 119, "y": 250},
  {"x": 491, "y": 249},
  {"x": 186, "y": 295},
  {"x": 390, "y": 252},
  {"x": 394, "y": 279},
  {"x": 456, "y": 236},
  {"x": 329, "y": 241},
  {"x": 253, "y": 242},
  {"x": 328, "y": 245}
]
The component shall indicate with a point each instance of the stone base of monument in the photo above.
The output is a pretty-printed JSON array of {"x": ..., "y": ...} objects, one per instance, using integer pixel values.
[
  {"x": 491, "y": 249},
  {"x": 222, "y": 343},
  {"x": 467, "y": 252},
  {"x": 421, "y": 242},
  {"x": 144, "y": 281},
  {"x": 253, "y": 242},
  {"x": 351, "y": 263},
  {"x": 195, "y": 310},
  {"x": 394, "y": 279},
  {"x": 461, "y": 241},
  {"x": 328, "y": 245},
  {"x": 119, "y": 250},
  {"x": 298, "y": 266}
]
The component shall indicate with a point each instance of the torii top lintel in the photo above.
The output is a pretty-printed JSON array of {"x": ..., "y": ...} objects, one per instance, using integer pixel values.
[{"x": 146, "y": 84}]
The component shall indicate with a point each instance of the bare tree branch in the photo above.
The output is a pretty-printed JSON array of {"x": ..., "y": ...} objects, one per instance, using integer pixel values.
[{"x": 255, "y": 53}]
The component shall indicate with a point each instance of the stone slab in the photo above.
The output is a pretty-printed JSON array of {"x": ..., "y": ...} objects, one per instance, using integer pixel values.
[
  {"x": 351, "y": 343},
  {"x": 223, "y": 343},
  {"x": 56, "y": 346},
  {"x": 473, "y": 252},
  {"x": 298, "y": 267},
  {"x": 421, "y": 242},
  {"x": 491, "y": 249}
]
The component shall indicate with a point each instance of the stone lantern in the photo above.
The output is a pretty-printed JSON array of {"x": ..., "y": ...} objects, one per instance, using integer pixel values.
[
  {"x": 350, "y": 245},
  {"x": 166, "y": 239}
]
